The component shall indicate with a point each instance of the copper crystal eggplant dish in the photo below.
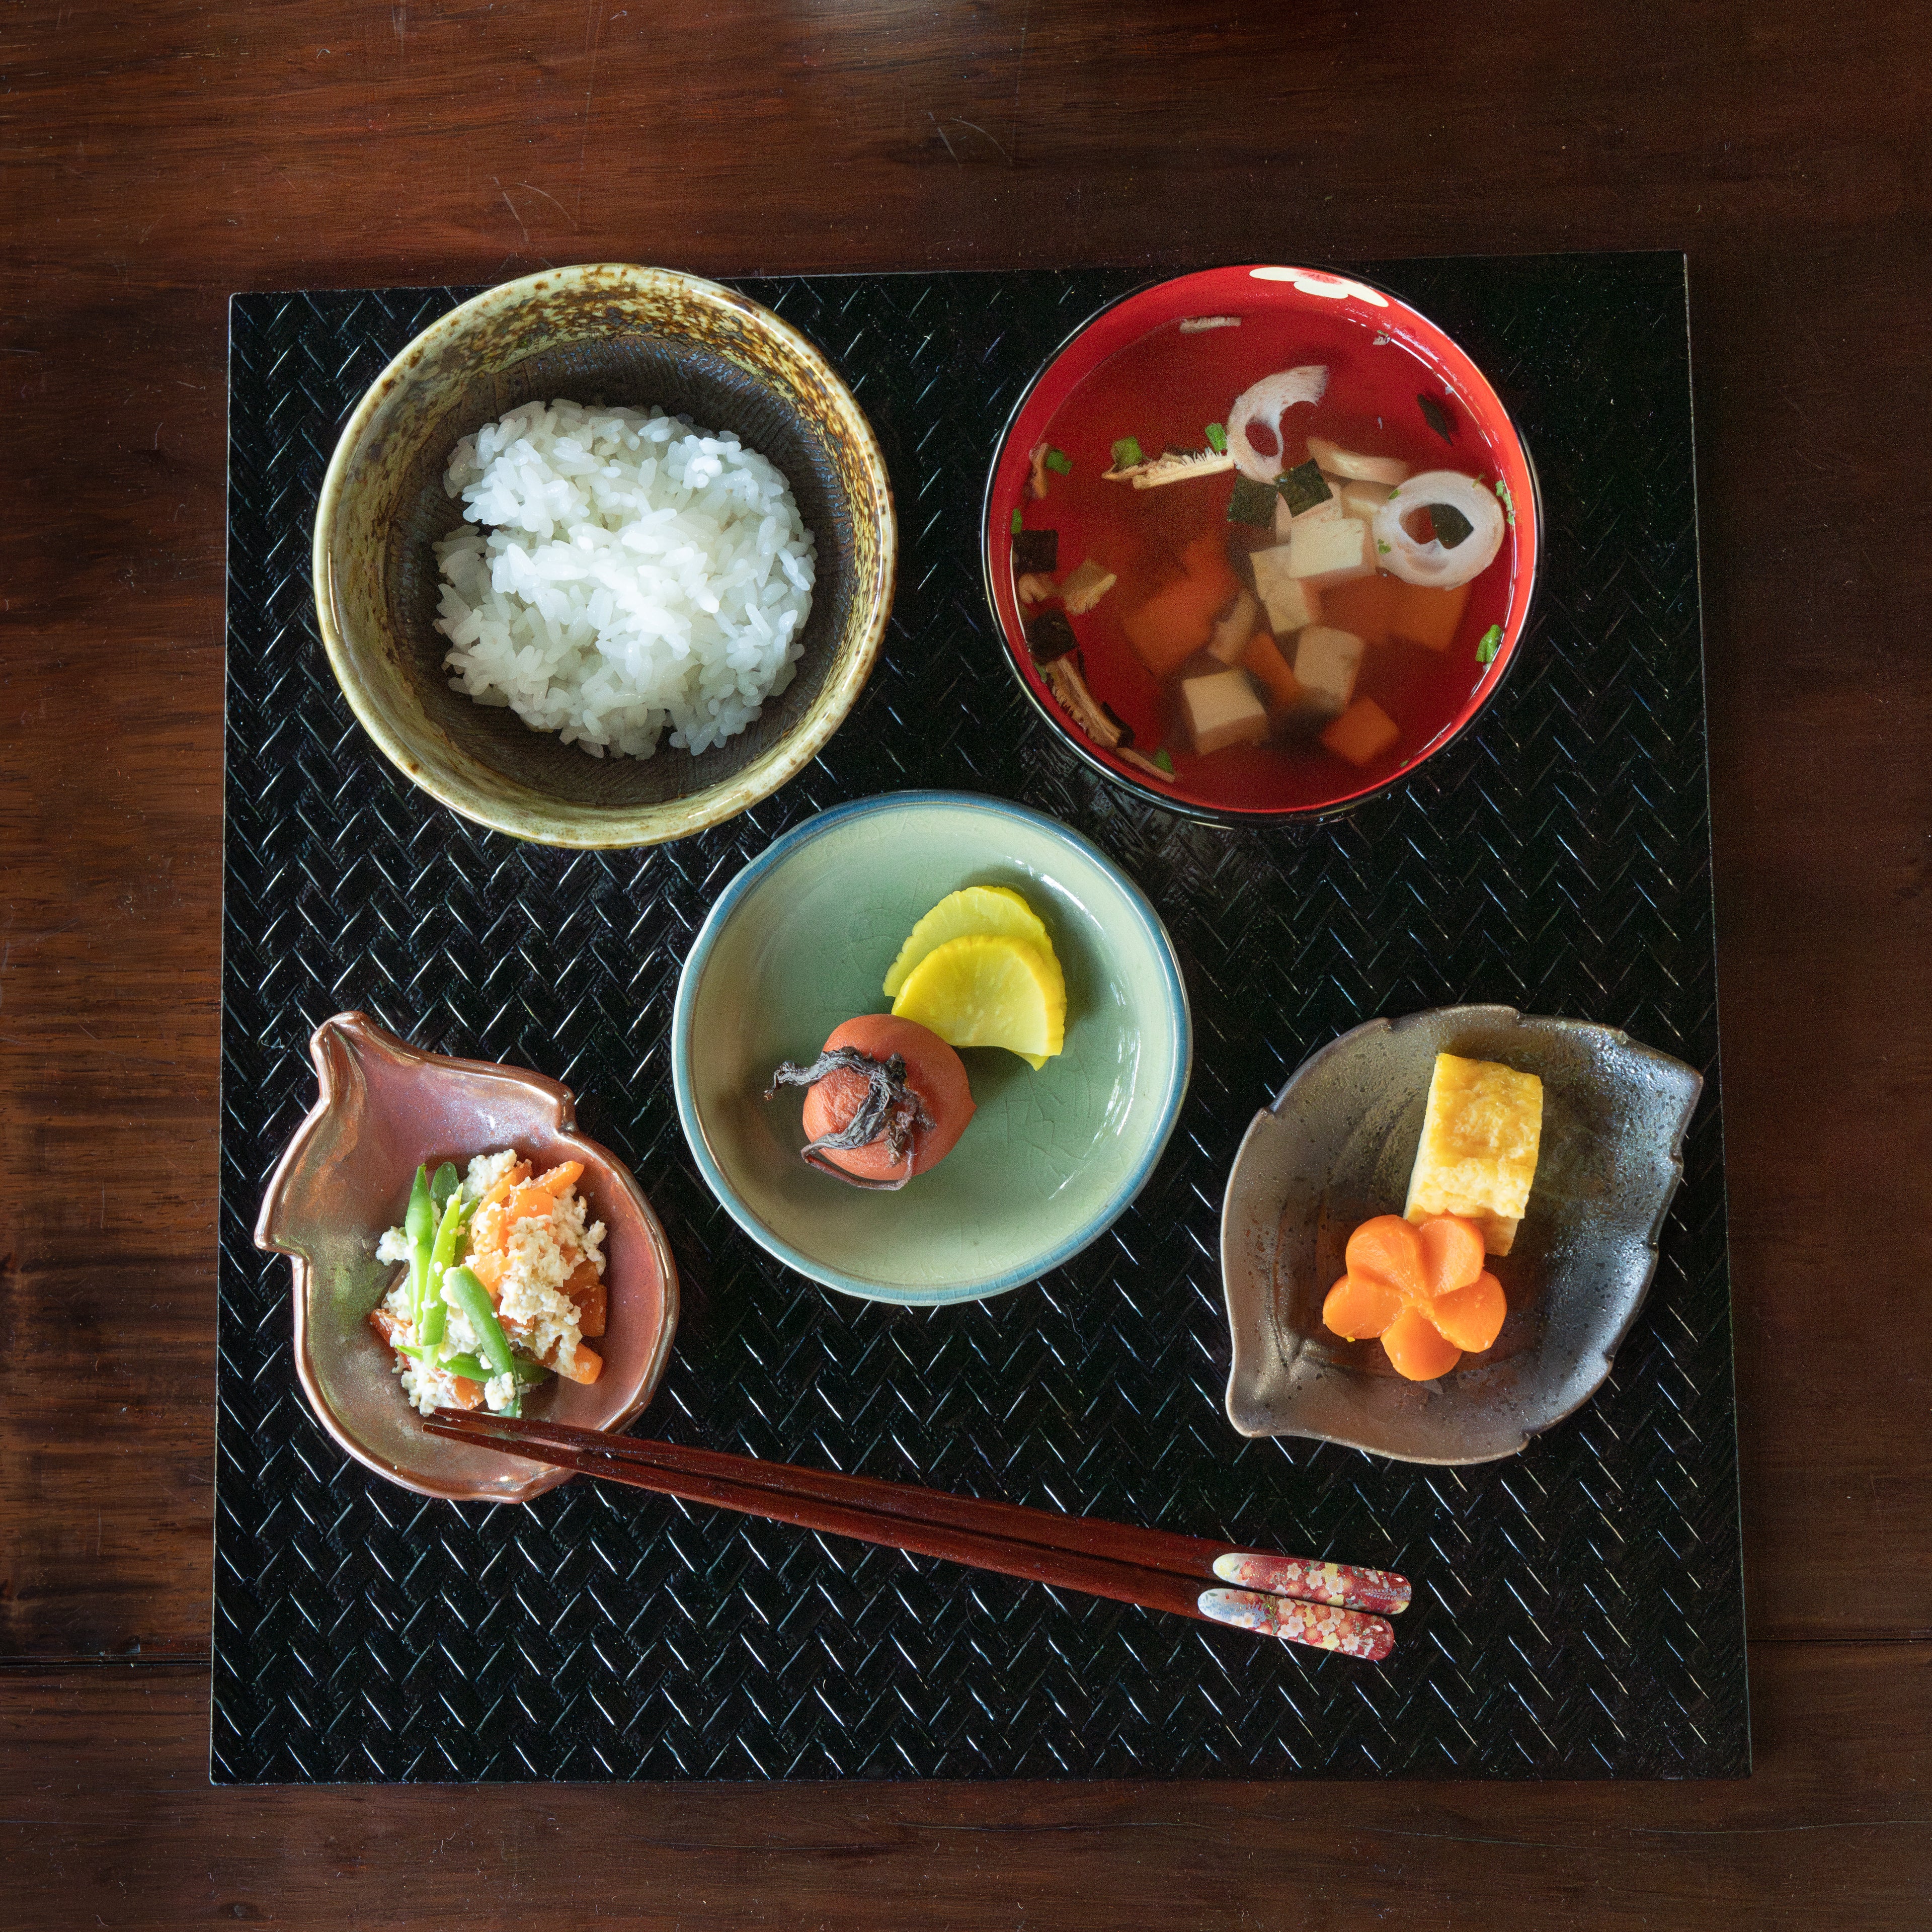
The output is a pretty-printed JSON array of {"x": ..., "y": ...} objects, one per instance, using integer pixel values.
[{"x": 388, "y": 1110}]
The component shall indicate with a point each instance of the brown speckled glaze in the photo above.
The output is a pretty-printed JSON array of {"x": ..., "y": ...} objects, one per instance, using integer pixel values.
[
  {"x": 1336, "y": 1147},
  {"x": 612, "y": 334},
  {"x": 385, "y": 1108}
]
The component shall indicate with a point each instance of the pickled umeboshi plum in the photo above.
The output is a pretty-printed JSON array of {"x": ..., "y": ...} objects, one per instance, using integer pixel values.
[{"x": 886, "y": 1099}]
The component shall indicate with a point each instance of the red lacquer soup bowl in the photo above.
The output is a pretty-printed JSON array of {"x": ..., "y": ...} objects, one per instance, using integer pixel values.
[{"x": 1351, "y": 681}]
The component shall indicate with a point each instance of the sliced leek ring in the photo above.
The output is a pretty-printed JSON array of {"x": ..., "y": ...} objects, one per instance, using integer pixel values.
[
  {"x": 1434, "y": 563},
  {"x": 1268, "y": 401}
]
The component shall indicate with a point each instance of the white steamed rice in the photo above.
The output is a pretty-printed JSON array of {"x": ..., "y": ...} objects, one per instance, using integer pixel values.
[{"x": 635, "y": 571}]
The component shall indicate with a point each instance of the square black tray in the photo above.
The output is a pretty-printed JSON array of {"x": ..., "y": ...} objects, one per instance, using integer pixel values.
[{"x": 1579, "y": 1611}]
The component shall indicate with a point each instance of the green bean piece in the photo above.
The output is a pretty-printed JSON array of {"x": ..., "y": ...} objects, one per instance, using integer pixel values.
[
  {"x": 436, "y": 1310},
  {"x": 419, "y": 1225},
  {"x": 466, "y": 1292},
  {"x": 447, "y": 1181},
  {"x": 529, "y": 1374}
]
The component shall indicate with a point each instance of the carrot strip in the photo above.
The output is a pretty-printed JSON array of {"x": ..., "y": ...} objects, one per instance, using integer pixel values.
[{"x": 528, "y": 1202}]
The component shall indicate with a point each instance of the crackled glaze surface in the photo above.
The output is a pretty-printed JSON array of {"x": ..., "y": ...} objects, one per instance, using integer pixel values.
[{"x": 801, "y": 941}]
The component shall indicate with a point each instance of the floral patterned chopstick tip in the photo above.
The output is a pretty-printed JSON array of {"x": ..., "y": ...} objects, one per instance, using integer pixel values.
[
  {"x": 1322, "y": 1626},
  {"x": 1380, "y": 1590}
]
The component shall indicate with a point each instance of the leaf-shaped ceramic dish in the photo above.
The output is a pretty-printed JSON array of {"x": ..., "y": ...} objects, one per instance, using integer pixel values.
[
  {"x": 1335, "y": 1148},
  {"x": 386, "y": 1106}
]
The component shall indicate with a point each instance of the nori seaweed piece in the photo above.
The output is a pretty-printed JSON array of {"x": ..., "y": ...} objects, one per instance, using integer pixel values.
[
  {"x": 1302, "y": 488},
  {"x": 1036, "y": 550},
  {"x": 1438, "y": 417},
  {"x": 1252, "y": 502},
  {"x": 1451, "y": 526},
  {"x": 1049, "y": 636}
]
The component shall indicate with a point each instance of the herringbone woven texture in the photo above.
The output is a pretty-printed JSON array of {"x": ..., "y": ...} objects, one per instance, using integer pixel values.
[{"x": 1578, "y": 1611}]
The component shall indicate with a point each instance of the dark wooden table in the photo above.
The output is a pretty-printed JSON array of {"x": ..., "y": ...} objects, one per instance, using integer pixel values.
[{"x": 154, "y": 159}]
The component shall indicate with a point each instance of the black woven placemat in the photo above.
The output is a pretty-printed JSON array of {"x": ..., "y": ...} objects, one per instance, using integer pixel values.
[{"x": 1579, "y": 1610}]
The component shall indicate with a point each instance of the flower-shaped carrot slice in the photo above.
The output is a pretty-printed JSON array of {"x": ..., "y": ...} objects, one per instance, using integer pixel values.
[
  {"x": 1422, "y": 1291},
  {"x": 1471, "y": 1317},
  {"x": 1416, "y": 1348}
]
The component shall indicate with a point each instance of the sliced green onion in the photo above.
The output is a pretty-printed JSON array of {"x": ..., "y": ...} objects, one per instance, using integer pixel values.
[
  {"x": 1060, "y": 463},
  {"x": 1019, "y": 523},
  {"x": 1163, "y": 759},
  {"x": 1217, "y": 438},
  {"x": 1127, "y": 453},
  {"x": 1491, "y": 643},
  {"x": 1509, "y": 501}
]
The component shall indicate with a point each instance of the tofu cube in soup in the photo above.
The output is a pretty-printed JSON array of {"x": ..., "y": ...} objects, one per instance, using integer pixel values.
[
  {"x": 1289, "y": 601},
  {"x": 1221, "y": 710},
  {"x": 1336, "y": 552},
  {"x": 1326, "y": 661}
]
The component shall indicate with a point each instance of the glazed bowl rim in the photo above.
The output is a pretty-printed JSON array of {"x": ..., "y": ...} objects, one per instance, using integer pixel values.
[{"x": 593, "y": 827}]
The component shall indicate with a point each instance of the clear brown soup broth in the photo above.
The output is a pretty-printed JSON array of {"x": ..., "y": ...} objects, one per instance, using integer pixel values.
[{"x": 1165, "y": 389}]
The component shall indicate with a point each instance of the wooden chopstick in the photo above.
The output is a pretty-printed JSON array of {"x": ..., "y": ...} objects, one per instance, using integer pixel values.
[{"x": 1099, "y": 1558}]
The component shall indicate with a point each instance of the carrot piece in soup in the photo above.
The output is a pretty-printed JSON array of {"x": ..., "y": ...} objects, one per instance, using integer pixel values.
[
  {"x": 1263, "y": 662},
  {"x": 1178, "y": 620},
  {"x": 1472, "y": 1317},
  {"x": 1425, "y": 613},
  {"x": 1416, "y": 1348},
  {"x": 1356, "y": 1309},
  {"x": 1362, "y": 733},
  {"x": 1452, "y": 1253},
  {"x": 1367, "y": 607}
]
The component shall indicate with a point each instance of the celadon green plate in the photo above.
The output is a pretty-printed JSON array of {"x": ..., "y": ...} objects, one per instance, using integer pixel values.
[{"x": 801, "y": 940}]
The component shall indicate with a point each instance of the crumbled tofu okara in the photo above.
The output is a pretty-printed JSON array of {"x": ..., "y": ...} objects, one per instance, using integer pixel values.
[{"x": 541, "y": 1320}]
